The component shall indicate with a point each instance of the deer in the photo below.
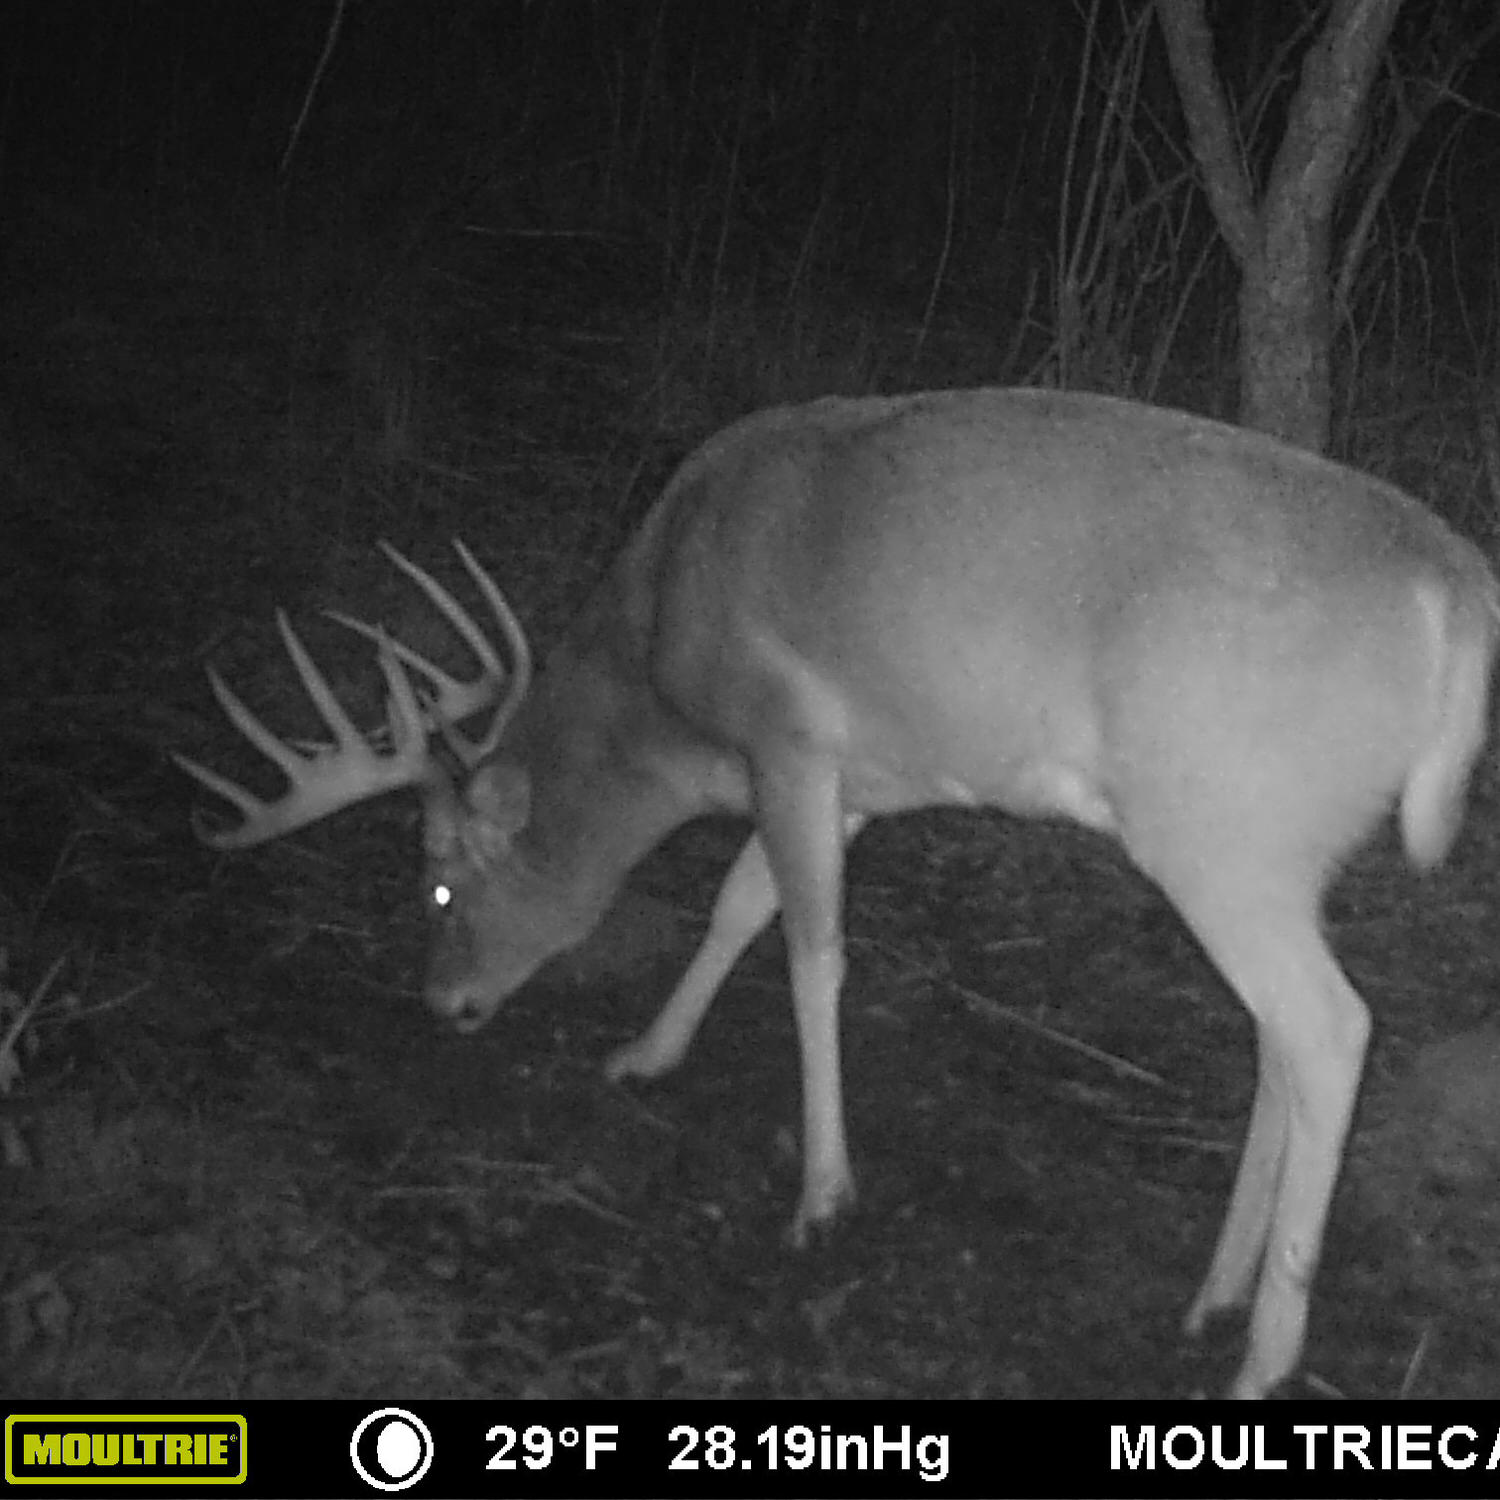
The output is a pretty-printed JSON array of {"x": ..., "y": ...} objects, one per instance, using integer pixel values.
[{"x": 1234, "y": 657}]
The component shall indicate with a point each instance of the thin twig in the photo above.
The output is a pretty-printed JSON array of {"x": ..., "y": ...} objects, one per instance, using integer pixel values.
[{"x": 335, "y": 24}]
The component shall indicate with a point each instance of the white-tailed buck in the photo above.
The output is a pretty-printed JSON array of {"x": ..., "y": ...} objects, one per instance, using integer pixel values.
[{"x": 1233, "y": 656}]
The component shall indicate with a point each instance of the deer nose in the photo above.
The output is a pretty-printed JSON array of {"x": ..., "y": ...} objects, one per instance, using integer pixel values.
[
  {"x": 465, "y": 1008},
  {"x": 470, "y": 1017}
]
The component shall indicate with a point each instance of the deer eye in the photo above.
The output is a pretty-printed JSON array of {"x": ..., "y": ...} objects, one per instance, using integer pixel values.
[{"x": 441, "y": 896}]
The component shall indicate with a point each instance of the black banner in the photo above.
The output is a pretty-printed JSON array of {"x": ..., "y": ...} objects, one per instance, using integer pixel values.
[{"x": 306, "y": 1450}]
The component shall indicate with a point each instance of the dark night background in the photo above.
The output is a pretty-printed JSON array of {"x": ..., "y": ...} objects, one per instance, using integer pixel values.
[{"x": 493, "y": 274}]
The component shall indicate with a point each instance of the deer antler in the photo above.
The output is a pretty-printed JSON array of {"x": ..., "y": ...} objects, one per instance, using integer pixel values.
[{"x": 351, "y": 768}]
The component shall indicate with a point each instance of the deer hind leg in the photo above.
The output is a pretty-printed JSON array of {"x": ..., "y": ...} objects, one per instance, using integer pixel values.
[
  {"x": 1242, "y": 1239},
  {"x": 1251, "y": 755},
  {"x": 746, "y": 903},
  {"x": 1260, "y": 926}
]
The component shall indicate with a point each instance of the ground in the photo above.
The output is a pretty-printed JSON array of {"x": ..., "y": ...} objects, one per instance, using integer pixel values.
[{"x": 241, "y": 1161}]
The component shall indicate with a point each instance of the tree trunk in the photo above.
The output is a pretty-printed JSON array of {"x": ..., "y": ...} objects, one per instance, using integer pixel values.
[{"x": 1282, "y": 242}]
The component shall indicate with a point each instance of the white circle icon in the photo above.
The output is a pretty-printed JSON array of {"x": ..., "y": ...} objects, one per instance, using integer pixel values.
[{"x": 396, "y": 1454}]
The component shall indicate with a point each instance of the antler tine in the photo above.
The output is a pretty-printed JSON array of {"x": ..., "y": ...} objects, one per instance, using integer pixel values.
[
  {"x": 331, "y": 776},
  {"x": 456, "y": 700},
  {"x": 505, "y": 616},
  {"x": 516, "y": 643}
]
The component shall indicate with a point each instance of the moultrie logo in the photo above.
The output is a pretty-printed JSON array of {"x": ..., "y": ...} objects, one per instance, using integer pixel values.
[
  {"x": 125, "y": 1448},
  {"x": 391, "y": 1449}
]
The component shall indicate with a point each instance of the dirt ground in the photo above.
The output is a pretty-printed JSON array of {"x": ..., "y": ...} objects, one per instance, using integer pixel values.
[{"x": 241, "y": 1161}]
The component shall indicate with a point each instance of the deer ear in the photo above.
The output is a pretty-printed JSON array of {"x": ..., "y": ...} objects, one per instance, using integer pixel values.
[{"x": 499, "y": 798}]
